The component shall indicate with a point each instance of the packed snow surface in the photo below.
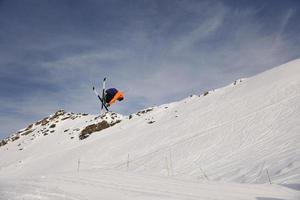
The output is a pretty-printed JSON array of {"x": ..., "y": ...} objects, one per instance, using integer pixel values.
[{"x": 237, "y": 142}]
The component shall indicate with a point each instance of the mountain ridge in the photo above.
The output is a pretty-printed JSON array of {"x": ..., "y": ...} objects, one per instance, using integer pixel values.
[{"x": 244, "y": 133}]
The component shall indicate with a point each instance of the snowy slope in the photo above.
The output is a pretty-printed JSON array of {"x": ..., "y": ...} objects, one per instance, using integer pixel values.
[{"x": 225, "y": 144}]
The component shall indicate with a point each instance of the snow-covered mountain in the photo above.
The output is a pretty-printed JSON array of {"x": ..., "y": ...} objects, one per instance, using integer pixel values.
[{"x": 229, "y": 143}]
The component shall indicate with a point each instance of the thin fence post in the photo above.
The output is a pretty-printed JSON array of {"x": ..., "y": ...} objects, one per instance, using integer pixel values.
[
  {"x": 78, "y": 165},
  {"x": 167, "y": 166},
  {"x": 171, "y": 164},
  {"x": 268, "y": 176},
  {"x": 127, "y": 162}
]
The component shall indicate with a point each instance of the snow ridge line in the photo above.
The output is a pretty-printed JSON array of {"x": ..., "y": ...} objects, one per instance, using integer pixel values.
[{"x": 199, "y": 134}]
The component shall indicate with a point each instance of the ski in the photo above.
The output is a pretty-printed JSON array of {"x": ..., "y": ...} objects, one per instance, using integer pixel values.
[
  {"x": 102, "y": 101},
  {"x": 103, "y": 92}
]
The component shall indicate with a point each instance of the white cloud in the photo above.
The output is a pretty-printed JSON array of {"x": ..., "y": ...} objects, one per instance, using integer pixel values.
[
  {"x": 205, "y": 27},
  {"x": 154, "y": 64},
  {"x": 282, "y": 26}
]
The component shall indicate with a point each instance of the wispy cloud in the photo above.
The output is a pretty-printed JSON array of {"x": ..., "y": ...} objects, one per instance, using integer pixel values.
[
  {"x": 282, "y": 26},
  {"x": 204, "y": 28},
  {"x": 156, "y": 52}
]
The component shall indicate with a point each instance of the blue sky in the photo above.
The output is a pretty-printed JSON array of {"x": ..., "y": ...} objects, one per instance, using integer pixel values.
[{"x": 156, "y": 51}]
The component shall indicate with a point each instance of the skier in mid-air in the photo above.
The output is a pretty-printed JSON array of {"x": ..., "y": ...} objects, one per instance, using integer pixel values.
[
  {"x": 109, "y": 96},
  {"x": 112, "y": 95}
]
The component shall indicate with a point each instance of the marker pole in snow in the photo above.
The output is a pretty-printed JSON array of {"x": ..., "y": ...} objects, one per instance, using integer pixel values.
[
  {"x": 103, "y": 103},
  {"x": 103, "y": 91}
]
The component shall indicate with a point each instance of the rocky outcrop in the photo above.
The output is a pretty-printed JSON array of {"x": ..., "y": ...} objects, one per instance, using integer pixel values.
[
  {"x": 87, "y": 131},
  {"x": 82, "y": 127},
  {"x": 141, "y": 112}
]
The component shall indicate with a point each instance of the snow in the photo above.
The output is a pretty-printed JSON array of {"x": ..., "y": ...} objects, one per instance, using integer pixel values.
[
  {"x": 227, "y": 144},
  {"x": 111, "y": 184}
]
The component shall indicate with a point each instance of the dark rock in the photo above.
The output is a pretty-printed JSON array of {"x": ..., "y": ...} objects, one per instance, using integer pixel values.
[
  {"x": 116, "y": 122},
  {"x": 43, "y": 122},
  {"x": 87, "y": 131},
  {"x": 144, "y": 111},
  {"x": 29, "y": 127},
  {"x": 52, "y": 126},
  {"x": 27, "y": 132},
  {"x": 3, "y": 142},
  {"x": 14, "y": 138},
  {"x": 65, "y": 118},
  {"x": 57, "y": 114}
]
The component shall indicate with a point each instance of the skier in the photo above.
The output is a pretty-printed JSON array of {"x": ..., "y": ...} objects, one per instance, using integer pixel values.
[
  {"x": 112, "y": 95},
  {"x": 109, "y": 96}
]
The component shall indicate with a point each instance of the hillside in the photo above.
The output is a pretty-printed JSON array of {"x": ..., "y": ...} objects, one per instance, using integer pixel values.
[{"x": 228, "y": 143}]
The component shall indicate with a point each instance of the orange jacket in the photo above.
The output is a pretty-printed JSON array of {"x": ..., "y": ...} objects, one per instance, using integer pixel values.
[{"x": 118, "y": 96}]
